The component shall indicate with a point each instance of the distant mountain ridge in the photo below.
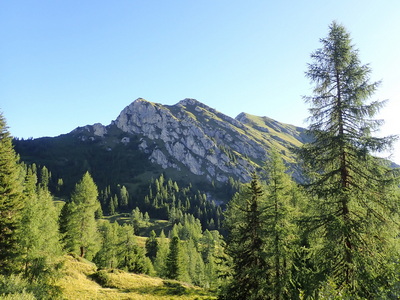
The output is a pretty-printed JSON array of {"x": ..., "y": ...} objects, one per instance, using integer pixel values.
[
  {"x": 185, "y": 140},
  {"x": 193, "y": 136}
]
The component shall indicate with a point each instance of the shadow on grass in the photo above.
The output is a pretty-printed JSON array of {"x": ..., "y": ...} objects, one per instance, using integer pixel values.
[
  {"x": 171, "y": 288},
  {"x": 168, "y": 288}
]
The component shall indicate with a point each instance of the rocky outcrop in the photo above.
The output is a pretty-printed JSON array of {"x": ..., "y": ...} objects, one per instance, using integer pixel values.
[
  {"x": 194, "y": 136},
  {"x": 179, "y": 138},
  {"x": 90, "y": 132}
]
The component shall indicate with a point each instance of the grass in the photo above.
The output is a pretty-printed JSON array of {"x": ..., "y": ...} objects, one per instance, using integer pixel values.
[
  {"x": 83, "y": 281},
  {"x": 270, "y": 133},
  {"x": 157, "y": 225}
]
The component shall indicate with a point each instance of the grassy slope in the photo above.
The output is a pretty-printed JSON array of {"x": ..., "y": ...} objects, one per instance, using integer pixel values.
[
  {"x": 271, "y": 133},
  {"x": 79, "y": 284}
]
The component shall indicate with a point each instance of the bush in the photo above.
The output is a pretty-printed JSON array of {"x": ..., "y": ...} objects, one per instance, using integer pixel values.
[
  {"x": 15, "y": 287},
  {"x": 102, "y": 278}
]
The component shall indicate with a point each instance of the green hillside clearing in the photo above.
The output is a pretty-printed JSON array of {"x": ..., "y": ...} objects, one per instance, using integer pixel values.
[{"x": 83, "y": 281}]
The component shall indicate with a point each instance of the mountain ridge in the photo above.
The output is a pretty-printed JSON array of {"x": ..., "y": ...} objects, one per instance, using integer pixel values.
[
  {"x": 193, "y": 133},
  {"x": 189, "y": 141}
]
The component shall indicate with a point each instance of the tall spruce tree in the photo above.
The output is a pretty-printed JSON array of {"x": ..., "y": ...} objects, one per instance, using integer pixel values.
[
  {"x": 174, "y": 268},
  {"x": 78, "y": 219},
  {"x": 280, "y": 227},
  {"x": 151, "y": 246},
  {"x": 244, "y": 219},
  {"x": 353, "y": 192},
  {"x": 11, "y": 201}
]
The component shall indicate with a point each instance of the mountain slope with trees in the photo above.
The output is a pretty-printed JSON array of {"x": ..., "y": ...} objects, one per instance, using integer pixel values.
[{"x": 189, "y": 142}]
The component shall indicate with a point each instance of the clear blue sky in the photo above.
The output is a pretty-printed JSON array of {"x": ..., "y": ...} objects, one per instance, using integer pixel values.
[{"x": 70, "y": 63}]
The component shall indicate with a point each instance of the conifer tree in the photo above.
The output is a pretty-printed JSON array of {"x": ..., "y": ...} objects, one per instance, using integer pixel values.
[
  {"x": 40, "y": 239},
  {"x": 78, "y": 219},
  {"x": 174, "y": 268},
  {"x": 208, "y": 250},
  {"x": 111, "y": 207},
  {"x": 44, "y": 177},
  {"x": 245, "y": 222},
  {"x": 115, "y": 202},
  {"x": 151, "y": 246},
  {"x": 146, "y": 218},
  {"x": 98, "y": 214},
  {"x": 194, "y": 264},
  {"x": 280, "y": 229},
  {"x": 132, "y": 257},
  {"x": 353, "y": 192},
  {"x": 136, "y": 219},
  {"x": 161, "y": 257},
  {"x": 108, "y": 255},
  {"x": 124, "y": 197},
  {"x": 11, "y": 201}
]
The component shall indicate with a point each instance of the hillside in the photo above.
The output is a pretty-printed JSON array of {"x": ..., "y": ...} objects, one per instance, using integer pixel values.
[
  {"x": 83, "y": 281},
  {"x": 189, "y": 142}
]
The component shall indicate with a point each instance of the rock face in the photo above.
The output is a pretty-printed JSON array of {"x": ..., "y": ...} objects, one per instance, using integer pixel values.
[
  {"x": 188, "y": 142},
  {"x": 91, "y": 131},
  {"x": 192, "y": 136}
]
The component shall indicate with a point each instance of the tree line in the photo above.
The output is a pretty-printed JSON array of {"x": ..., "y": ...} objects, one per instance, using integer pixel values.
[{"x": 163, "y": 199}]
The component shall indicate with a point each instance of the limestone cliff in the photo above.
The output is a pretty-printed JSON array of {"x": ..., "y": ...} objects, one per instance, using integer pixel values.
[{"x": 192, "y": 136}]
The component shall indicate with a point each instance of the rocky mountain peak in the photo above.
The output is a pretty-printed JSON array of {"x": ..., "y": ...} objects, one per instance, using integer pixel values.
[
  {"x": 242, "y": 117},
  {"x": 191, "y": 136},
  {"x": 189, "y": 101}
]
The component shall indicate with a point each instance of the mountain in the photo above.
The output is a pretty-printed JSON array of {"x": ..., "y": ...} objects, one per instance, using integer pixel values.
[{"x": 189, "y": 142}]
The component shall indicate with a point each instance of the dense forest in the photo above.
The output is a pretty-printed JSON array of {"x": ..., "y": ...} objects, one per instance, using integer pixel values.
[{"x": 332, "y": 236}]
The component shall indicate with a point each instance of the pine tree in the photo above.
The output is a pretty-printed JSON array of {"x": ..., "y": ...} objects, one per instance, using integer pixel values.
[
  {"x": 208, "y": 250},
  {"x": 132, "y": 257},
  {"x": 194, "y": 264},
  {"x": 146, "y": 219},
  {"x": 151, "y": 246},
  {"x": 11, "y": 201},
  {"x": 245, "y": 222},
  {"x": 111, "y": 207},
  {"x": 115, "y": 202},
  {"x": 124, "y": 197},
  {"x": 136, "y": 219},
  {"x": 40, "y": 239},
  {"x": 161, "y": 257},
  {"x": 108, "y": 255},
  {"x": 44, "y": 177},
  {"x": 173, "y": 266},
  {"x": 280, "y": 229},
  {"x": 353, "y": 192},
  {"x": 79, "y": 224}
]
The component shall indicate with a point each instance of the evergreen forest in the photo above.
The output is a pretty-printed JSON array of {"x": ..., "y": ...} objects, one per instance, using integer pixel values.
[{"x": 334, "y": 234}]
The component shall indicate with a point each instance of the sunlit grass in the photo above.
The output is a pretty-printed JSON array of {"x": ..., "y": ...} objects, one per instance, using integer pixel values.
[
  {"x": 80, "y": 283},
  {"x": 75, "y": 283}
]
